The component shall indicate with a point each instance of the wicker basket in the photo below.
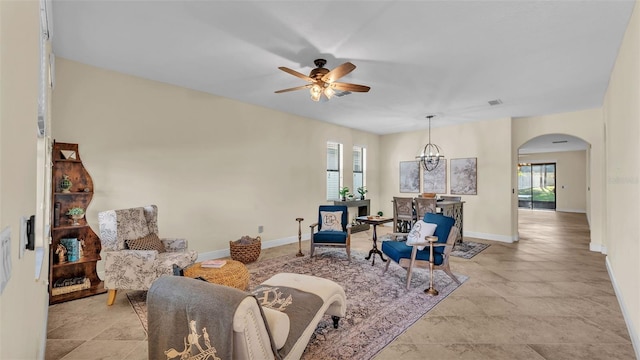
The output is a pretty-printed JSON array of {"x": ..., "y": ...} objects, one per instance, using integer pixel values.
[{"x": 246, "y": 253}]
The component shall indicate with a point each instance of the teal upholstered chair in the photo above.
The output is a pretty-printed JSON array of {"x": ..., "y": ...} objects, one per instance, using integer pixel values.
[
  {"x": 333, "y": 228},
  {"x": 410, "y": 257}
]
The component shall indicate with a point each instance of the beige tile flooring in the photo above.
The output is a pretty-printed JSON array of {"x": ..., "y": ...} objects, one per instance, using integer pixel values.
[{"x": 544, "y": 297}]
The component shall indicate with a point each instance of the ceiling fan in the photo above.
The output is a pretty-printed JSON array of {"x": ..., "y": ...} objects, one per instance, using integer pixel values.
[{"x": 322, "y": 80}]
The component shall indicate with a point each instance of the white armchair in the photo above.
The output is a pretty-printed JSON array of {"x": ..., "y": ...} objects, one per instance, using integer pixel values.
[{"x": 137, "y": 269}]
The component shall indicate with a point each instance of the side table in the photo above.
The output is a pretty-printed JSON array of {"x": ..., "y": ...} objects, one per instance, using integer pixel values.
[
  {"x": 375, "y": 221},
  {"x": 233, "y": 273}
]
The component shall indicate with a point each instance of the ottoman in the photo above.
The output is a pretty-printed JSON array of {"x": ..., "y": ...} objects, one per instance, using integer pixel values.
[{"x": 233, "y": 274}]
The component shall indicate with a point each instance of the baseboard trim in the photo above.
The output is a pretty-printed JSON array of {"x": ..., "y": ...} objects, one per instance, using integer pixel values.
[
  {"x": 635, "y": 341},
  {"x": 572, "y": 211},
  {"x": 598, "y": 248},
  {"x": 494, "y": 237},
  {"x": 217, "y": 254}
]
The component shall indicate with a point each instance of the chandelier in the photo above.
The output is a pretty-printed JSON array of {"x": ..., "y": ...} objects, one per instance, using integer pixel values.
[{"x": 431, "y": 154}]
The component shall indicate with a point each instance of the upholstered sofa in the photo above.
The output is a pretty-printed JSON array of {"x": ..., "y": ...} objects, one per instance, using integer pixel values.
[
  {"x": 132, "y": 269},
  {"x": 189, "y": 318}
]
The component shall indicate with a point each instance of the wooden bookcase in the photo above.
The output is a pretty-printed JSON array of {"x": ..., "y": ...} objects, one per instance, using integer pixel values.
[{"x": 66, "y": 161}]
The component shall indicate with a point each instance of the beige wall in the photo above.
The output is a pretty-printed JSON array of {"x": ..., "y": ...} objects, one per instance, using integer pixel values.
[
  {"x": 216, "y": 168},
  {"x": 571, "y": 177},
  {"x": 622, "y": 117},
  {"x": 23, "y": 304},
  {"x": 587, "y": 125},
  {"x": 488, "y": 141}
]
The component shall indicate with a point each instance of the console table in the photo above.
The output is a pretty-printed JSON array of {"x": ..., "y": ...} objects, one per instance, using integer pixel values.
[
  {"x": 453, "y": 209},
  {"x": 363, "y": 210}
]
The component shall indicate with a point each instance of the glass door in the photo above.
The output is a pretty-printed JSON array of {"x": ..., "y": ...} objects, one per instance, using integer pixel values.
[{"x": 537, "y": 186}]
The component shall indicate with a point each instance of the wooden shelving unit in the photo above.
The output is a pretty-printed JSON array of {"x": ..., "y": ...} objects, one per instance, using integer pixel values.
[{"x": 80, "y": 195}]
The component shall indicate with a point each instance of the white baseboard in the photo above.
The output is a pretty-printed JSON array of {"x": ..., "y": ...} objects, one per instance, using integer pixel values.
[
  {"x": 216, "y": 254},
  {"x": 580, "y": 211},
  {"x": 635, "y": 341},
  {"x": 598, "y": 248},
  {"x": 494, "y": 237}
]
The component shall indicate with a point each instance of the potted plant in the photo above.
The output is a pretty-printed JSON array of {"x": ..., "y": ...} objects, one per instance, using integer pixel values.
[
  {"x": 343, "y": 192},
  {"x": 362, "y": 190},
  {"x": 76, "y": 213}
]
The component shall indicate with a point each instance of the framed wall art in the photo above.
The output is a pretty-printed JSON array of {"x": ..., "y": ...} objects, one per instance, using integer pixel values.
[
  {"x": 435, "y": 181},
  {"x": 464, "y": 176},
  {"x": 409, "y": 177}
]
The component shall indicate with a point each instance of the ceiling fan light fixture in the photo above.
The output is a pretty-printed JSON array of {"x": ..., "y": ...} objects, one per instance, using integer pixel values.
[
  {"x": 328, "y": 92},
  {"x": 322, "y": 81},
  {"x": 316, "y": 92}
]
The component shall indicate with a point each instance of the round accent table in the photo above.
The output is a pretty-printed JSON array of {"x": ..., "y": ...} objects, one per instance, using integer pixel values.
[{"x": 233, "y": 274}]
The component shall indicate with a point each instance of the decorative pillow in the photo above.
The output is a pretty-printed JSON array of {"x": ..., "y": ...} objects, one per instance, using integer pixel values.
[
  {"x": 279, "y": 325},
  {"x": 331, "y": 221},
  {"x": 418, "y": 233},
  {"x": 149, "y": 242}
]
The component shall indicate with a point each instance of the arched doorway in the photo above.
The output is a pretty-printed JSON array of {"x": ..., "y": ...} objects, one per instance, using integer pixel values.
[{"x": 553, "y": 173}]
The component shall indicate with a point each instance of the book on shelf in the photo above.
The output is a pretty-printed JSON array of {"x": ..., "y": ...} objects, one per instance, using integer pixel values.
[{"x": 213, "y": 263}]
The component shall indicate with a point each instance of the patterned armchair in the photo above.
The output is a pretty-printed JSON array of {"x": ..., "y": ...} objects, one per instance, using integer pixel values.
[{"x": 126, "y": 268}]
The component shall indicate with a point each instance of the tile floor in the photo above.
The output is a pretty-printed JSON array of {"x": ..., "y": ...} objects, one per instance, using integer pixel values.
[{"x": 544, "y": 297}]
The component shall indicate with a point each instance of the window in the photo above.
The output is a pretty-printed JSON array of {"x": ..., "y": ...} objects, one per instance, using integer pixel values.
[
  {"x": 359, "y": 167},
  {"x": 334, "y": 170}
]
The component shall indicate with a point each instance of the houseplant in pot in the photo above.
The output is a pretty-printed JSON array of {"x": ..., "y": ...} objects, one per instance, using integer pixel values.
[
  {"x": 76, "y": 213},
  {"x": 362, "y": 190},
  {"x": 343, "y": 193}
]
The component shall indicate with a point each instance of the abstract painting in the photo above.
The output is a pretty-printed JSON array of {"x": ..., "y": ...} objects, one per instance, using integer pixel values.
[
  {"x": 435, "y": 181},
  {"x": 464, "y": 176},
  {"x": 409, "y": 177}
]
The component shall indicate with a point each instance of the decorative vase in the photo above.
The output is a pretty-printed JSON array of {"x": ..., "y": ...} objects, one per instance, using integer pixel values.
[
  {"x": 75, "y": 218},
  {"x": 65, "y": 184}
]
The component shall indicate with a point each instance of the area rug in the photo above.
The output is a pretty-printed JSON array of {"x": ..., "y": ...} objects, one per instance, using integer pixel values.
[
  {"x": 379, "y": 307},
  {"x": 468, "y": 249}
]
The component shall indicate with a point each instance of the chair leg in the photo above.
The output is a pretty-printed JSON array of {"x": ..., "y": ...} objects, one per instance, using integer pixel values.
[
  {"x": 409, "y": 275},
  {"x": 386, "y": 267},
  {"x": 448, "y": 272},
  {"x": 311, "y": 249},
  {"x": 112, "y": 297},
  {"x": 349, "y": 253}
]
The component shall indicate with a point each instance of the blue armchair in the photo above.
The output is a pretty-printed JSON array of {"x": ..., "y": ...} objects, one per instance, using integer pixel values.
[
  {"x": 410, "y": 256},
  {"x": 333, "y": 228}
]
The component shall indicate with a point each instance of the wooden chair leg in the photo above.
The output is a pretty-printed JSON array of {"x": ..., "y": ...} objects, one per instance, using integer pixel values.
[
  {"x": 112, "y": 297},
  {"x": 448, "y": 272},
  {"x": 386, "y": 267}
]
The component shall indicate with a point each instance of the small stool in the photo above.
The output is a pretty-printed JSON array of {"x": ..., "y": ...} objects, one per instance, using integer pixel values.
[{"x": 233, "y": 274}]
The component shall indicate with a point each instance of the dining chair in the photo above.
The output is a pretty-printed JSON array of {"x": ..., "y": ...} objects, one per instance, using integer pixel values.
[
  {"x": 403, "y": 214},
  {"x": 424, "y": 206}
]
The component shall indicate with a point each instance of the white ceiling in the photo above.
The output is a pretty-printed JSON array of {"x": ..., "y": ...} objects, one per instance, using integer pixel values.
[{"x": 419, "y": 57}]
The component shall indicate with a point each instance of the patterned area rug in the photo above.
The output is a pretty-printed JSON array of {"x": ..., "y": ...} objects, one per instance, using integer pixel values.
[
  {"x": 379, "y": 307},
  {"x": 468, "y": 249}
]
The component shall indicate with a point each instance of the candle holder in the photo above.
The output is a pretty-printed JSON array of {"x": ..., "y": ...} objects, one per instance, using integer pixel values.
[
  {"x": 299, "y": 220},
  {"x": 431, "y": 290}
]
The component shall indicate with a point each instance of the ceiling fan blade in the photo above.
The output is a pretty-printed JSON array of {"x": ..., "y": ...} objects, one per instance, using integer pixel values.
[
  {"x": 338, "y": 72},
  {"x": 294, "y": 88},
  {"x": 295, "y": 73},
  {"x": 350, "y": 87}
]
